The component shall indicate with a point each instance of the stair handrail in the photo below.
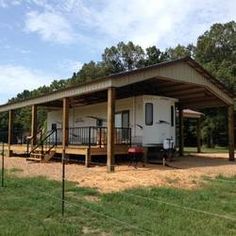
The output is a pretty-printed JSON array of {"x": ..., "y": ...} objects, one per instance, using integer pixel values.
[
  {"x": 54, "y": 143},
  {"x": 32, "y": 137},
  {"x": 42, "y": 141}
]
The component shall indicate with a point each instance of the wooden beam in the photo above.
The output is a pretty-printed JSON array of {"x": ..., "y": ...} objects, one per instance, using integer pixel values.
[
  {"x": 33, "y": 124},
  {"x": 174, "y": 88},
  {"x": 110, "y": 129},
  {"x": 65, "y": 123},
  {"x": 10, "y": 131},
  {"x": 231, "y": 132},
  {"x": 185, "y": 92},
  {"x": 199, "y": 135},
  {"x": 193, "y": 95},
  {"x": 199, "y": 100},
  {"x": 202, "y": 104},
  {"x": 181, "y": 131}
]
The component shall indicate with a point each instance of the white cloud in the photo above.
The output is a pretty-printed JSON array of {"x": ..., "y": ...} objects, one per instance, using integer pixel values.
[
  {"x": 51, "y": 26},
  {"x": 101, "y": 23},
  {"x": 14, "y": 79},
  {"x": 155, "y": 21},
  {"x": 7, "y": 3}
]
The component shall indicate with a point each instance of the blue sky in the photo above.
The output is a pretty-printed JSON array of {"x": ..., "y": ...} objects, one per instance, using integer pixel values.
[{"x": 43, "y": 40}]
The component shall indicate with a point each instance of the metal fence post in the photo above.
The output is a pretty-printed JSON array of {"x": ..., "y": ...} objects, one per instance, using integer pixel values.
[
  {"x": 63, "y": 183},
  {"x": 2, "y": 164}
]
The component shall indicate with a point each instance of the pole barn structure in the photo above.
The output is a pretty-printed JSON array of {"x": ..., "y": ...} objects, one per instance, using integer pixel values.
[{"x": 183, "y": 79}]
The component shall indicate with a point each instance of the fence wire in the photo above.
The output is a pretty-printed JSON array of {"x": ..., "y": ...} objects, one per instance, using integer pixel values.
[{"x": 109, "y": 217}]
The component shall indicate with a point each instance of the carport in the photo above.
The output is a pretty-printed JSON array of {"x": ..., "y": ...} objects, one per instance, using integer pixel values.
[{"x": 183, "y": 79}]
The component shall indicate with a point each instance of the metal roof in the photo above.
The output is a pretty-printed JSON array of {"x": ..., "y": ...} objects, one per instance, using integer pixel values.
[{"x": 171, "y": 72}]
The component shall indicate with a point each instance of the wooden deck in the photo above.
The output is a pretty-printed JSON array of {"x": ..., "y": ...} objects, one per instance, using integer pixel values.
[{"x": 77, "y": 150}]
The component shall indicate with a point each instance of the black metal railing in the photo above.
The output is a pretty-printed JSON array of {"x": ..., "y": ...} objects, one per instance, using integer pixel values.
[
  {"x": 49, "y": 141},
  {"x": 3, "y": 136},
  {"x": 46, "y": 143},
  {"x": 84, "y": 136},
  {"x": 94, "y": 136},
  {"x": 35, "y": 139},
  {"x": 19, "y": 136}
]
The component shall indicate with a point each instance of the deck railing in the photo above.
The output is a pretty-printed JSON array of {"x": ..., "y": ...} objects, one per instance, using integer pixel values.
[
  {"x": 47, "y": 142},
  {"x": 84, "y": 136},
  {"x": 95, "y": 136},
  {"x": 3, "y": 136},
  {"x": 19, "y": 136}
]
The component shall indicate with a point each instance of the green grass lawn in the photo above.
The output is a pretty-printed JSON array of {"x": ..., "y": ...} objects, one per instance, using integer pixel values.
[
  {"x": 206, "y": 150},
  {"x": 31, "y": 206}
]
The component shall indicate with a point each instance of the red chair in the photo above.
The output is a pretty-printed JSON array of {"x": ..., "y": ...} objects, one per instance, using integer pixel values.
[{"x": 135, "y": 155}]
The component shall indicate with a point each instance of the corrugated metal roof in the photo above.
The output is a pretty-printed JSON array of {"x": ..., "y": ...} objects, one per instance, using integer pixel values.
[{"x": 104, "y": 83}]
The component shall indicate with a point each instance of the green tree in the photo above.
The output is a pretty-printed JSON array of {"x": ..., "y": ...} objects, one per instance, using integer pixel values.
[
  {"x": 92, "y": 70},
  {"x": 216, "y": 51},
  {"x": 123, "y": 57},
  {"x": 154, "y": 56},
  {"x": 180, "y": 51}
]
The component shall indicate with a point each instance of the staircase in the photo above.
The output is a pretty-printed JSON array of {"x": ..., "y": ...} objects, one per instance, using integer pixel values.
[{"x": 44, "y": 149}]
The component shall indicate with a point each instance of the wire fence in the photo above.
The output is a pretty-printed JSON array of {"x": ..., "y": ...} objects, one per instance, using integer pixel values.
[
  {"x": 3, "y": 164},
  {"x": 65, "y": 203}
]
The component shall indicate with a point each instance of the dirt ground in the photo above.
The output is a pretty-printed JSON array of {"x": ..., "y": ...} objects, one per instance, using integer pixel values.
[{"x": 187, "y": 172}]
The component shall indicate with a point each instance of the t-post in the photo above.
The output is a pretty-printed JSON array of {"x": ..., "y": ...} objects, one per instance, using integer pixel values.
[{"x": 2, "y": 154}]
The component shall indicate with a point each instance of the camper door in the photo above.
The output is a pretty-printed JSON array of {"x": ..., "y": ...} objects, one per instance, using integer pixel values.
[
  {"x": 150, "y": 128},
  {"x": 156, "y": 121}
]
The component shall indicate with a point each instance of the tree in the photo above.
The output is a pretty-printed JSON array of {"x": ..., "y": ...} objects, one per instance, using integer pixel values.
[
  {"x": 123, "y": 57},
  {"x": 214, "y": 127},
  {"x": 180, "y": 51},
  {"x": 154, "y": 56},
  {"x": 91, "y": 71},
  {"x": 216, "y": 51}
]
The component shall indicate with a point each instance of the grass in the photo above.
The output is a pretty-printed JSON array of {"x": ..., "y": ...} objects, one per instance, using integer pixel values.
[
  {"x": 206, "y": 150},
  {"x": 31, "y": 206}
]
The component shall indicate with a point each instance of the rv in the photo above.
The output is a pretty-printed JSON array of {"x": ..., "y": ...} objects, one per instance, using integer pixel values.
[{"x": 143, "y": 121}]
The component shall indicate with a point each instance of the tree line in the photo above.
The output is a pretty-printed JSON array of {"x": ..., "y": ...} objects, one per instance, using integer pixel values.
[{"x": 215, "y": 50}]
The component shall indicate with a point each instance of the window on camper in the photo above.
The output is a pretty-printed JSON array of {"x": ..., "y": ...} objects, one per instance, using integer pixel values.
[
  {"x": 172, "y": 116},
  {"x": 122, "y": 122},
  {"x": 122, "y": 119},
  {"x": 54, "y": 126},
  {"x": 99, "y": 122},
  {"x": 149, "y": 114}
]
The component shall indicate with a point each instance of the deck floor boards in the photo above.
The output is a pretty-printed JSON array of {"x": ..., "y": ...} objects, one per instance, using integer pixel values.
[{"x": 77, "y": 150}]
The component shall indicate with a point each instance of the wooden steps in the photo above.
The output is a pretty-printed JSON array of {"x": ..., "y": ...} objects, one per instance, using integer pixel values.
[
  {"x": 48, "y": 156},
  {"x": 41, "y": 157}
]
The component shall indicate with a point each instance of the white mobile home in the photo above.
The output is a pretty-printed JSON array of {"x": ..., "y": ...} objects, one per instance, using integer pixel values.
[{"x": 151, "y": 119}]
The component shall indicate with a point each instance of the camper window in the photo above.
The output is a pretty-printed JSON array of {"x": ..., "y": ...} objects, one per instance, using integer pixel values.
[
  {"x": 54, "y": 126},
  {"x": 149, "y": 114}
]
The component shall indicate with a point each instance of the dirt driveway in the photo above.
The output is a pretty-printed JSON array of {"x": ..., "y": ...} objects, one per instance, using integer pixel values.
[{"x": 187, "y": 172}]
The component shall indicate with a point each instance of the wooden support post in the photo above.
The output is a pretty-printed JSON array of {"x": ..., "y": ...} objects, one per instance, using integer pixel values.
[
  {"x": 87, "y": 158},
  {"x": 181, "y": 131},
  {"x": 65, "y": 123},
  {"x": 110, "y": 129},
  {"x": 10, "y": 131},
  {"x": 33, "y": 125},
  {"x": 231, "y": 132},
  {"x": 198, "y": 135}
]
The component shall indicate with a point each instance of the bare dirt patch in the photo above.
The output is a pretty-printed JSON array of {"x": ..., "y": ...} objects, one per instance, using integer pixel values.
[{"x": 188, "y": 172}]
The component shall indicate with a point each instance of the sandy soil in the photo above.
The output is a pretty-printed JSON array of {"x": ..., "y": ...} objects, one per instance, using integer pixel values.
[{"x": 186, "y": 174}]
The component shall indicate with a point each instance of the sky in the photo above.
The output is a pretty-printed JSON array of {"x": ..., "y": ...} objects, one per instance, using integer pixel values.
[{"x": 44, "y": 40}]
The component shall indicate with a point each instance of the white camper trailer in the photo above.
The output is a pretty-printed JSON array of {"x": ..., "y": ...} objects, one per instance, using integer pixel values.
[{"x": 151, "y": 119}]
